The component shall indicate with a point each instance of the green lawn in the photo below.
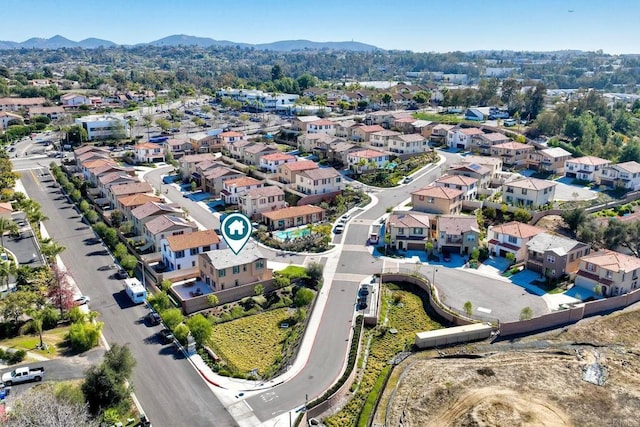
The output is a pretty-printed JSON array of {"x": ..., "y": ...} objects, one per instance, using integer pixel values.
[
  {"x": 252, "y": 342},
  {"x": 54, "y": 338}
]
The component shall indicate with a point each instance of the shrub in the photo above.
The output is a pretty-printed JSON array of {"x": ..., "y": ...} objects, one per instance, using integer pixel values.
[
  {"x": 160, "y": 301},
  {"x": 303, "y": 297},
  {"x": 200, "y": 329},
  {"x": 172, "y": 317},
  {"x": 181, "y": 332},
  {"x": 84, "y": 336},
  {"x": 11, "y": 357},
  {"x": 50, "y": 318}
]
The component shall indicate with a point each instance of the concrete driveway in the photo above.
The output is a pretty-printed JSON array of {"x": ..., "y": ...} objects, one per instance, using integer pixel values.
[{"x": 565, "y": 191}]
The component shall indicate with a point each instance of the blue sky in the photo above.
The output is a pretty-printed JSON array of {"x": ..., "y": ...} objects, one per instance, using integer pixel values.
[{"x": 421, "y": 26}]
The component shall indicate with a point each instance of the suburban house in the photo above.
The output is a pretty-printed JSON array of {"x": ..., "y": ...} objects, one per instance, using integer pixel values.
[
  {"x": 87, "y": 149},
  {"x": 203, "y": 142},
  {"x": 493, "y": 163},
  {"x": 411, "y": 143},
  {"x": 54, "y": 112},
  {"x": 437, "y": 200},
  {"x": 162, "y": 226},
  {"x": 229, "y": 137},
  {"x": 292, "y": 216},
  {"x": 549, "y": 160},
  {"x": 404, "y": 124},
  {"x": 511, "y": 237},
  {"x": 344, "y": 128},
  {"x": 408, "y": 230},
  {"x": 6, "y": 118},
  {"x": 178, "y": 147},
  {"x": 271, "y": 162},
  {"x": 322, "y": 126},
  {"x": 15, "y": 104},
  {"x": 472, "y": 170},
  {"x": 585, "y": 168},
  {"x": 213, "y": 179},
  {"x": 423, "y": 128},
  {"x": 338, "y": 151},
  {"x": 183, "y": 250},
  {"x": 188, "y": 163},
  {"x": 621, "y": 175},
  {"x": 461, "y": 137},
  {"x": 254, "y": 153},
  {"x": 440, "y": 132},
  {"x": 323, "y": 146},
  {"x": 458, "y": 234},
  {"x": 126, "y": 204},
  {"x": 319, "y": 181},
  {"x": 142, "y": 214},
  {"x": 264, "y": 199},
  {"x": 74, "y": 100},
  {"x": 512, "y": 153},
  {"x": 232, "y": 189},
  {"x": 87, "y": 166},
  {"x": 363, "y": 133},
  {"x": 222, "y": 269},
  {"x": 300, "y": 123},
  {"x": 608, "y": 273},
  {"x": 287, "y": 171},
  {"x": 148, "y": 152},
  {"x": 468, "y": 185},
  {"x": 236, "y": 148},
  {"x": 381, "y": 138},
  {"x": 483, "y": 142},
  {"x": 554, "y": 256},
  {"x": 530, "y": 193},
  {"x": 108, "y": 180},
  {"x": 122, "y": 190},
  {"x": 363, "y": 160},
  {"x": 94, "y": 174},
  {"x": 104, "y": 127}
]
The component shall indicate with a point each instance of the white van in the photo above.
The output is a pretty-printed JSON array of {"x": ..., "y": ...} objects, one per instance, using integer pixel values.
[{"x": 135, "y": 290}]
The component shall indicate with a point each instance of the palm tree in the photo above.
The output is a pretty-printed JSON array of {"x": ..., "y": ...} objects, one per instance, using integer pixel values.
[
  {"x": 51, "y": 249},
  {"x": 147, "y": 120},
  {"x": 6, "y": 269},
  {"x": 36, "y": 323},
  {"x": 6, "y": 225}
]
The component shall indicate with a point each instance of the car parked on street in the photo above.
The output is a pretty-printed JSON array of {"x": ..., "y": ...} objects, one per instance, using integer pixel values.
[{"x": 153, "y": 319}]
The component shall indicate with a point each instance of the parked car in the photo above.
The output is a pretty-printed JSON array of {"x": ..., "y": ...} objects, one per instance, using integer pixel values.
[
  {"x": 407, "y": 179},
  {"x": 82, "y": 299},
  {"x": 153, "y": 319},
  {"x": 23, "y": 374},
  {"x": 121, "y": 274},
  {"x": 166, "y": 336},
  {"x": 338, "y": 229}
]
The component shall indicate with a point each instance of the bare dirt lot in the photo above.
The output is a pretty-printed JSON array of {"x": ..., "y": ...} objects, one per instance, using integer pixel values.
[{"x": 550, "y": 379}]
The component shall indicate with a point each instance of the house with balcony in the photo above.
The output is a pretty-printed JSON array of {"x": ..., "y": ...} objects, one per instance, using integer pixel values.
[
  {"x": 204, "y": 142},
  {"x": 549, "y": 160},
  {"x": 271, "y": 162},
  {"x": 554, "y": 256},
  {"x": 178, "y": 147},
  {"x": 380, "y": 140},
  {"x": 468, "y": 185},
  {"x": 182, "y": 251},
  {"x": 483, "y": 142},
  {"x": 440, "y": 132},
  {"x": 232, "y": 189},
  {"x": 323, "y": 147},
  {"x": 163, "y": 226},
  {"x": 621, "y": 175},
  {"x": 461, "y": 137},
  {"x": 117, "y": 191},
  {"x": 229, "y": 137},
  {"x": 472, "y": 170},
  {"x": 363, "y": 133},
  {"x": 608, "y": 273},
  {"x": 255, "y": 152},
  {"x": 364, "y": 160},
  {"x": 287, "y": 172},
  {"x": 437, "y": 200},
  {"x": 586, "y": 168},
  {"x": 339, "y": 150},
  {"x": 148, "y": 152},
  {"x": 264, "y": 199},
  {"x": 236, "y": 148},
  {"x": 188, "y": 163},
  {"x": 213, "y": 178},
  {"x": 409, "y": 230},
  {"x": 458, "y": 234},
  {"x": 404, "y": 124},
  {"x": 512, "y": 153},
  {"x": 322, "y": 126},
  {"x": 144, "y": 213},
  {"x": 222, "y": 269},
  {"x": 319, "y": 181},
  {"x": 511, "y": 237},
  {"x": 293, "y": 216},
  {"x": 411, "y": 143},
  {"x": 529, "y": 193}
]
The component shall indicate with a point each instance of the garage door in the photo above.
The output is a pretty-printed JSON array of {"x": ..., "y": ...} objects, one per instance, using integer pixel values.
[
  {"x": 415, "y": 246},
  {"x": 452, "y": 249}
]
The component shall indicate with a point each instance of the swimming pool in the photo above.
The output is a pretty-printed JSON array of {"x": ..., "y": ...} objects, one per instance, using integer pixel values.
[{"x": 291, "y": 234}]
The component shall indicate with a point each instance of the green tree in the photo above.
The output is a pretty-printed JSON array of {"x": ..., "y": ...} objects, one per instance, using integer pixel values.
[
  {"x": 510, "y": 256},
  {"x": 120, "y": 360},
  {"x": 37, "y": 323},
  {"x": 181, "y": 332},
  {"x": 315, "y": 271},
  {"x": 6, "y": 226},
  {"x": 573, "y": 218},
  {"x": 468, "y": 308},
  {"x": 103, "y": 388},
  {"x": 116, "y": 218},
  {"x": 172, "y": 317},
  {"x": 303, "y": 297},
  {"x": 160, "y": 301},
  {"x": 428, "y": 247},
  {"x": 522, "y": 215},
  {"x": 164, "y": 124},
  {"x": 15, "y": 304},
  {"x": 526, "y": 313},
  {"x": 258, "y": 290},
  {"x": 84, "y": 336},
  {"x": 129, "y": 262},
  {"x": 276, "y": 72},
  {"x": 147, "y": 121},
  {"x": 200, "y": 328},
  {"x": 50, "y": 249},
  {"x": 212, "y": 300}
]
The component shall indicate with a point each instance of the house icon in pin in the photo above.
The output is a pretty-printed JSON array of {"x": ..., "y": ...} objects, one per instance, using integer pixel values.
[{"x": 236, "y": 228}]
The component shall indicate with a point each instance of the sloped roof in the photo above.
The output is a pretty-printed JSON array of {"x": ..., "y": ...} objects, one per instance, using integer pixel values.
[
  {"x": 457, "y": 180},
  {"x": 197, "y": 239},
  {"x": 154, "y": 207},
  {"x": 589, "y": 160},
  {"x": 165, "y": 222},
  {"x": 531, "y": 183},
  {"x": 518, "y": 229},
  {"x": 244, "y": 181},
  {"x": 272, "y": 190},
  {"x": 320, "y": 173},
  {"x": 292, "y": 211},
  {"x": 457, "y": 224},
  {"x": 438, "y": 192},
  {"x": 300, "y": 165},
  {"x": 613, "y": 261},
  {"x": 225, "y": 258},
  {"x": 138, "y": 199},
  {"x": 409, "y": 220},
  {"x": 134, "y": 187},
  {"x": 559, "y": 245}
]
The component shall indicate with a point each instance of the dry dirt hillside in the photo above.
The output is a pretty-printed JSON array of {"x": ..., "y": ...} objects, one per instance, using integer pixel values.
[{"x": 582, "y": 375}]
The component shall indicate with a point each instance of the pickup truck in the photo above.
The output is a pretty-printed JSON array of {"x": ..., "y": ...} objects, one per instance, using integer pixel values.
[{"x": 21, "y": 375}]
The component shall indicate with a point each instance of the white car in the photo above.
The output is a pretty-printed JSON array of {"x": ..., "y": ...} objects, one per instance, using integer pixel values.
[
  {"x": 338, "y": 228},
  {"x": 82, "y": 299}
]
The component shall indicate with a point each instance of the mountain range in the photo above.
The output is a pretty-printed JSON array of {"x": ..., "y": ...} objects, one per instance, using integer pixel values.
[{"x": 57, "y": 42}]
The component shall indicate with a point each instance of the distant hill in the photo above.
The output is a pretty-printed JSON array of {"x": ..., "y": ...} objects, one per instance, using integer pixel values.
[{"x": 57, "y": 42}]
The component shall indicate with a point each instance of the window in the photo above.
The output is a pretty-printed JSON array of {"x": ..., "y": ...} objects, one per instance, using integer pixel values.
[
  {"x": 401, "y": 231},
  {"x": 222, "y": 272},
  {"x": 609, "y": 274},
  {"x": 471, "y": 238},
  {"x": 179, "y": 254},
  {"x": 236, "y": 269},
  {"x": 259, "y": 265},
  {"x": 551, "y": 259},
  {"x": 512, "y": 239},
  {"x": 524, "y": 191},
  {"x": 590, "y": 267},
  {"x": 417, "y": 231},
  {"x": 193, "y": 251}
]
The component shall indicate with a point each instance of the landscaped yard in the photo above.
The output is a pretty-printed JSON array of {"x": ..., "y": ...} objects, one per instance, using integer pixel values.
[
  {"x": 254, "y": 342},
  {"x": 54, "y": 339}
]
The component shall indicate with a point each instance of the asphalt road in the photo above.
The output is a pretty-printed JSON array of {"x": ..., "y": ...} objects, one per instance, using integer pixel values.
[{"x": 167, "y": 386}]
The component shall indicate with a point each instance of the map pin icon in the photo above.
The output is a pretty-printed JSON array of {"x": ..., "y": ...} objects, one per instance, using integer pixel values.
[{"x": 236, "y": 231}]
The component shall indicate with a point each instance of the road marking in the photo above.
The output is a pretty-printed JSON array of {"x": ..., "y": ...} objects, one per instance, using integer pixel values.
[
  {"x": 484, "y": 310},
  {"x": 355, "y": 248}
]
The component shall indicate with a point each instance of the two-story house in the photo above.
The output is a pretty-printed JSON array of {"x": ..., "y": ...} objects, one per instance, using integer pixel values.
[
  {"x": 380, "y": 140},
  {"x": 319, "y": 181},
  {"x": 287, "y": 172},
  {"x": 254, "y": 153},
  {"x": 363, "y": 160},
  {"x": 222, "y": 269},
  {"x": 339, "y": 150},
  {"x": 586, "y": 168},
  {"x": 411, "y": 143},
  {"x": 483, "y": 142},
  {"x": 213, "y": 178},
  {"x": 182, "y": 250},
  {"x": 126, "y": 204},
  {"x": 178, "y": 147},
  {"x": 554, "y": 256},
  {"x": 117, "y": 191},
  {"x": 344, "y": 128},
  {"x": 229, "y": 137},
  {"x": 408, "y": 230},
  {"x": 144, "y": 213},
  {"x": 322, "y": 126},
  {"x": 163, "y": 226},
  {"x": 300, "y": 123},
  {"x": 307, "y": 142},
  {"x": 264, "y": 199},
  {"x": 236, "y": 148},
  {"x": 511, "y": 237},
  {"x": 271, "y": 162},
  {"x": 188, "y": 163},
  {"x": 468, "y": 185},
  {"x": 363, "y": 133},
  {"x": 437, "y": 200},
  {"x": 74, "y": 100},
  {"x": 232, "y": 189},
  {"x": 203, "y": 142},
  {"x": 608, "y": 273},
  {"x": 621, "y": 175},
  {"x": 293, "y": 216},
  {"x": 94, "y": 174},
  {"x": 472, "y": 170},
  {"x": 530, "y": 193},
  {"x": 512, "y": 153},
  {"x": 148, "y": 152},
  {"x": 114, "y": 178},
  {"x": 458, "y": 234},
  {"x": 461, "y": 137},
  {"x": 549, "y": 160},
  {"x": 440, "y": 132},
  {"x": 494, "y": 164}
]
